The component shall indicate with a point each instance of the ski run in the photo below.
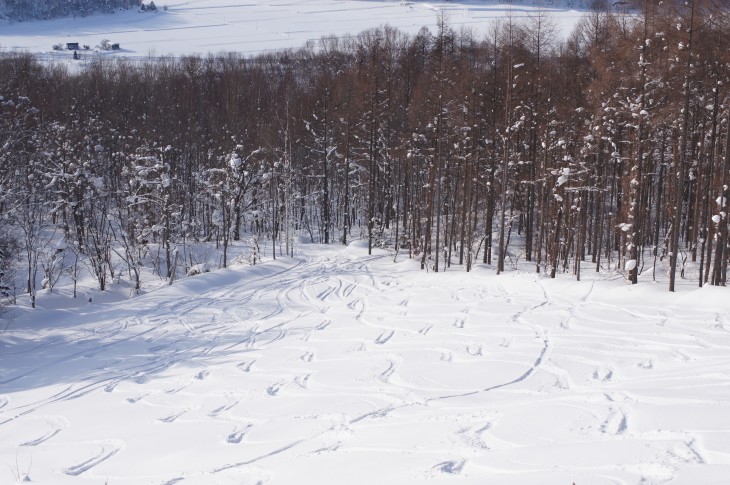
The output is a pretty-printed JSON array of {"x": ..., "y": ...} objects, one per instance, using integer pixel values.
[{"x": 338, "y": 367}]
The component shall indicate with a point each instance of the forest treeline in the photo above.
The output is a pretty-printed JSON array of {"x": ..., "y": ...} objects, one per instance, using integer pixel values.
[
  {"x": 609, "y": 148},
  {"x": 23, "y": 10}
]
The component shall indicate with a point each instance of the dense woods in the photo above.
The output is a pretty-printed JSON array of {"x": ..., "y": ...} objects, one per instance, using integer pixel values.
[
  {"x": 21, "y": 10},
  {"x": 605, "y": 151}
]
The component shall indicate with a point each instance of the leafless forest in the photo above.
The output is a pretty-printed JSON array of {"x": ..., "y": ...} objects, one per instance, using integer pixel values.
[
  {"x": 22, "y": 10},
  {"x": 610, "y": 148}
]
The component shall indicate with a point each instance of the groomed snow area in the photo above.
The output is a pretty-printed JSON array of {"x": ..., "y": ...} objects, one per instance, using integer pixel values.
[
  {"x": 215, "y": 26},
  {"x": 335, "y": 367}
]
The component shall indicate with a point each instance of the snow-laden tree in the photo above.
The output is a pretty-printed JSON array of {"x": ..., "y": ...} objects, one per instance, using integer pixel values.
[
  {"x": 8, "y": 249},
  {"x": 323, "y": 152},
  {"x": 231, "y": 190},
  {"x": 562, "y": 151},
  {"x": 154, "y": 212}
]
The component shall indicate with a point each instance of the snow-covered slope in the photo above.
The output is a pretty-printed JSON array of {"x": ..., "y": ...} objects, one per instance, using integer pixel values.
[
  {"x": 213, "y": 26},
  {"x": 337, "y": 367}
]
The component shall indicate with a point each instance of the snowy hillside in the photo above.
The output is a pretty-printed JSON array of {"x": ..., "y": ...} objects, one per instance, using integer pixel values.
[
  {"x": 213, "y": 26},
  {"x": 334, "y": 367}
]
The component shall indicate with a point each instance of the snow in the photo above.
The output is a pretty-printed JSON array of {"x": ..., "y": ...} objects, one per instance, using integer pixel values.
[
  {"x": 214, "y": 26},
  {"x": 338, "y": 367},
  {"x": 564, "y": 176},
  {"x": 335, "y": 366},
  {"x": 235, "y": 163}
]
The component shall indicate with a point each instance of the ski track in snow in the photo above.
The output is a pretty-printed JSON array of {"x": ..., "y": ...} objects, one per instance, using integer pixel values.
[
  {"x": 356, "y": 360},
  {"x": 55, "y": 425},
  {"x": 106, "y": 451}
]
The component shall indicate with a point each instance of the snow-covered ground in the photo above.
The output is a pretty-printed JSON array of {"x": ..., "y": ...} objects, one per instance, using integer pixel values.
[
  {"x": 213, "y": 26},
  {"x": 337, "y": 367}
]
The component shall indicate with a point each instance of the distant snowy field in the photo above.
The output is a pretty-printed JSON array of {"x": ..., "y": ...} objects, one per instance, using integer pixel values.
[
  {"x": 214, "y": 26},
  {"x": 335, "y": 367}
]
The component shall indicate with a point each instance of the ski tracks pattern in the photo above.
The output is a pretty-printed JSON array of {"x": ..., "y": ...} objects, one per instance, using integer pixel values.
[{"x": 316, "y": 358}]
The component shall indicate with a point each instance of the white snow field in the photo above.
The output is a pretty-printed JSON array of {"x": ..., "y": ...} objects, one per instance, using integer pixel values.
[
  {"x": 335, "y": 367},
  {"x": 214, "y": 26}
]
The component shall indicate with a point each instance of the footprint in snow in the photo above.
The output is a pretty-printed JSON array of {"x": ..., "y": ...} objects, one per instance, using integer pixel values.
[
  {"x": 327, "y": 449},
  {"x": 474, "y": 435},
  {"x": 387, "y": 373},
  {"x": 302, "y": 381},
  {"x": 236, "y": 436},
  {"x": 450, "y": 467},
  {"x": 653, "y": 472},
  {"x": 647, "y": 364},
  {"x": 384, "y": 337},
  {"x": 173, "y": 481},
  {"x": 175, "y": 390},
  {"x": 233, "y": 402},
  {"x": 475, "y": 350},
  {"x": 141, "y": 379},
  {"x": 171, "y": 418},
  {"x": 246, "y": 366},
  {"x": 616, "y": 422},
  {"x": 111, "y": 387},
  {"x": 680, "y": 356},
  {"x": 603, "y": 375}
]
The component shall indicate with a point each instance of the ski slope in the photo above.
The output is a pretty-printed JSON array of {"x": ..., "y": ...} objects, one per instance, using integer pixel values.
[
  {"x": 214, "y": 26},
  {"x": 338, "y": 367}
]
